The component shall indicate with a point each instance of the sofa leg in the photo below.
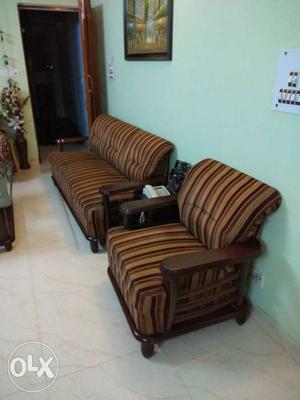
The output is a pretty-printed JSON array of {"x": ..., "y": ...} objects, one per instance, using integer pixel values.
[
  {"x": 244, "y": 312},
  {"x": 8, "y": 246},
  {"x": 147, "y": 349},
  {"x": 94, "y": 245},
  {"x": 102, "y": 242}
]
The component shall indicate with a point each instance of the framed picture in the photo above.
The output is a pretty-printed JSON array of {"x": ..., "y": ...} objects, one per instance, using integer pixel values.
[{"x": 148, "y": 29}]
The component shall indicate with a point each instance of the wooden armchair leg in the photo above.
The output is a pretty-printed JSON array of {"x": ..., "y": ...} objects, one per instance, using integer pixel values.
[
  {"x": 94, "y": 245},
  {"x": 8, "y": 246},
  {"x": 244, "y": 312},
  {"x": 102, "y": 242},
  {"x": 147, "y": 349}
]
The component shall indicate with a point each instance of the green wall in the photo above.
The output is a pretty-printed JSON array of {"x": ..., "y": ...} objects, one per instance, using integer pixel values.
[
  {"x": 9, "y": 23},
  {"x": 214, "y": 100}
]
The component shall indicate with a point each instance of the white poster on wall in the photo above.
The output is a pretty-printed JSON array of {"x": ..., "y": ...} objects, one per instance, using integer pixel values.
[{"x": 287, "y": 91}]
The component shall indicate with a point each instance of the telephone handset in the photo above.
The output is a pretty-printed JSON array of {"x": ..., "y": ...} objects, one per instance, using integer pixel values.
[{"x": 155, "y": 191}]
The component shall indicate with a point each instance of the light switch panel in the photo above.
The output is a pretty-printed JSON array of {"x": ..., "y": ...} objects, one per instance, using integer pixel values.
[
  {"x": 111, "y": 69},
  {"x": 287, "y": 91},
  {"x": 11, "y": 73}
]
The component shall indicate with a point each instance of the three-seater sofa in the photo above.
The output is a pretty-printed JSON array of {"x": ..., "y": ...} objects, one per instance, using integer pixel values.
[{"x": 122, "y": 159}]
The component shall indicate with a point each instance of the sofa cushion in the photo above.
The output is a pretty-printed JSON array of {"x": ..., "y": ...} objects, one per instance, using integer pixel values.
[
  {"x": 135, "y": 258},
  {"x": 109, "y": 137},
  {"x": 80, "y": 175},
  {"x": 144, "y": 155},
  {"x": 137, "y": 154},
  {"x": 221, "y": 205}
]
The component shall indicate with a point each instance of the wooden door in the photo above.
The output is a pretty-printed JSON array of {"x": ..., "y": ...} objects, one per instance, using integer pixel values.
[{"x": 88, "y": 49}]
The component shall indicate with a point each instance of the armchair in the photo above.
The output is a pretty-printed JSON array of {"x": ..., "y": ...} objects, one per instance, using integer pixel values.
[{"x": 192, "y": 271}]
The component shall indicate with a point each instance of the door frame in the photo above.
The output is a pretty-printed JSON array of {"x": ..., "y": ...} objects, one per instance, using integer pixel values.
[
  {"x": 37, "y": 7},
  {"x": 41, "y": 7}
]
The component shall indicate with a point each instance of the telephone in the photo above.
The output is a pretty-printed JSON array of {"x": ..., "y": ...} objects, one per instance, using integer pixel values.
[{"x": 155, "y": 191}]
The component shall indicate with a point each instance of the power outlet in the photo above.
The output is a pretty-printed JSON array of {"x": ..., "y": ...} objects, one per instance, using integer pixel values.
[{"x": 258, "y": 278}]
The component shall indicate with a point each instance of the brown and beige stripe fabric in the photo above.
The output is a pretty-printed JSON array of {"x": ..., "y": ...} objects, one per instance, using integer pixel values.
[
  {"x": 142, "y": 156},
  {"x": 221, "y": 205},
  {"x": 109, "y": 137},
  {"x": 135, "y": 258},
  {"x": 80, "y": 175},
  {"x": 120, "y": 153},
  {"x": 137, "y": 154}
]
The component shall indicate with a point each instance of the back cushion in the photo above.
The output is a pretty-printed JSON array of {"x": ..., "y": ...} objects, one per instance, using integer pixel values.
[
  {"x": 221, "y": 205},
  {"x": 109, "y": 136},
  {"x": 143, "y": 155},
  {"x": 137, "y": 154}
]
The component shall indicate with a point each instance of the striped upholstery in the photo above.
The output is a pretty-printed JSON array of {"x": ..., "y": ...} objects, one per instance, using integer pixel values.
[
  {"x": 137, "y": 154},
  {"x": 108, "y": 138},
  {"x": 80, "y": 175},
  {"x": 120, "y": 153},
  {"x": 218, "y": 206},
  {"x": 134, "y": 257},
  {"x": 221, "y": 205}
]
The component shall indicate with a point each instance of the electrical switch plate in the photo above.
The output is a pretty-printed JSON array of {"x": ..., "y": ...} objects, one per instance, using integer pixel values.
[
  {"x": 11, "y": 73},
  {"x": 287, "y": 91},
  {"x": 258, "y": 278},
  {"x": 111, "y": 69}
]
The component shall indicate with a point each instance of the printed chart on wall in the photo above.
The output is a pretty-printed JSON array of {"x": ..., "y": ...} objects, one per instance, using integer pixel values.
[{"x": 287, "y": 92}]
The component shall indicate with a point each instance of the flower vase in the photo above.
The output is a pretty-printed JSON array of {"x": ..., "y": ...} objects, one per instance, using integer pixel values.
[{"x": 21, "y": 146}]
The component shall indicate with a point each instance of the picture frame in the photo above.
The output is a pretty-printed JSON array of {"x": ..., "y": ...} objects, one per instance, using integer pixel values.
[{"x": 148, "y": 30}]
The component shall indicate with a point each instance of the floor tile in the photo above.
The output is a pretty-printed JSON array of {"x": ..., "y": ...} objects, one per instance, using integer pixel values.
[{"x": 153, "y": 378}]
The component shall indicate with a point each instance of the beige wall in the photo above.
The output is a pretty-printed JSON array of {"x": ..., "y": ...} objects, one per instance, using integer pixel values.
[{"x": 9, "y": 23}]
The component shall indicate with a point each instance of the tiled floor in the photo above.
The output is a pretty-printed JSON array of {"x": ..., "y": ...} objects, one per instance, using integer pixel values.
[{"x": 53, "y": 290}]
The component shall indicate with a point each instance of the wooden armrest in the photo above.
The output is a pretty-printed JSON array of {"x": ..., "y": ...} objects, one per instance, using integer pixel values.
[
  {"x": 67, "y": 140},
  {"x": 73, "y": 139},
  {"x": 189, "y": 263},
  {"x": 117, "y": 188},
  {"x": 138, "y": 206},
  {"x": 121, "y": 187}
]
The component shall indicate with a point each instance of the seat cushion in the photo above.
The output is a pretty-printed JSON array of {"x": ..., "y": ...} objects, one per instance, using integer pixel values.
[
  {"x": 80, "y": 175},
  {"x": 135, "y": 258},
  {"x": 221, "y": 205}
]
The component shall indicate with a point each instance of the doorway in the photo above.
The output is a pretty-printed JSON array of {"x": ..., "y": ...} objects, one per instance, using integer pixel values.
[{"x": 52, "y": 44}]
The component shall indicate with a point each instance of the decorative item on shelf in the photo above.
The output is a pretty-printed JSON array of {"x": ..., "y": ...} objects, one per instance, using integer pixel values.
[
  {"x": 148, "y": 27},
  {"x": 12, "y": 104},
  {"x": 7, "y": 231}
]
